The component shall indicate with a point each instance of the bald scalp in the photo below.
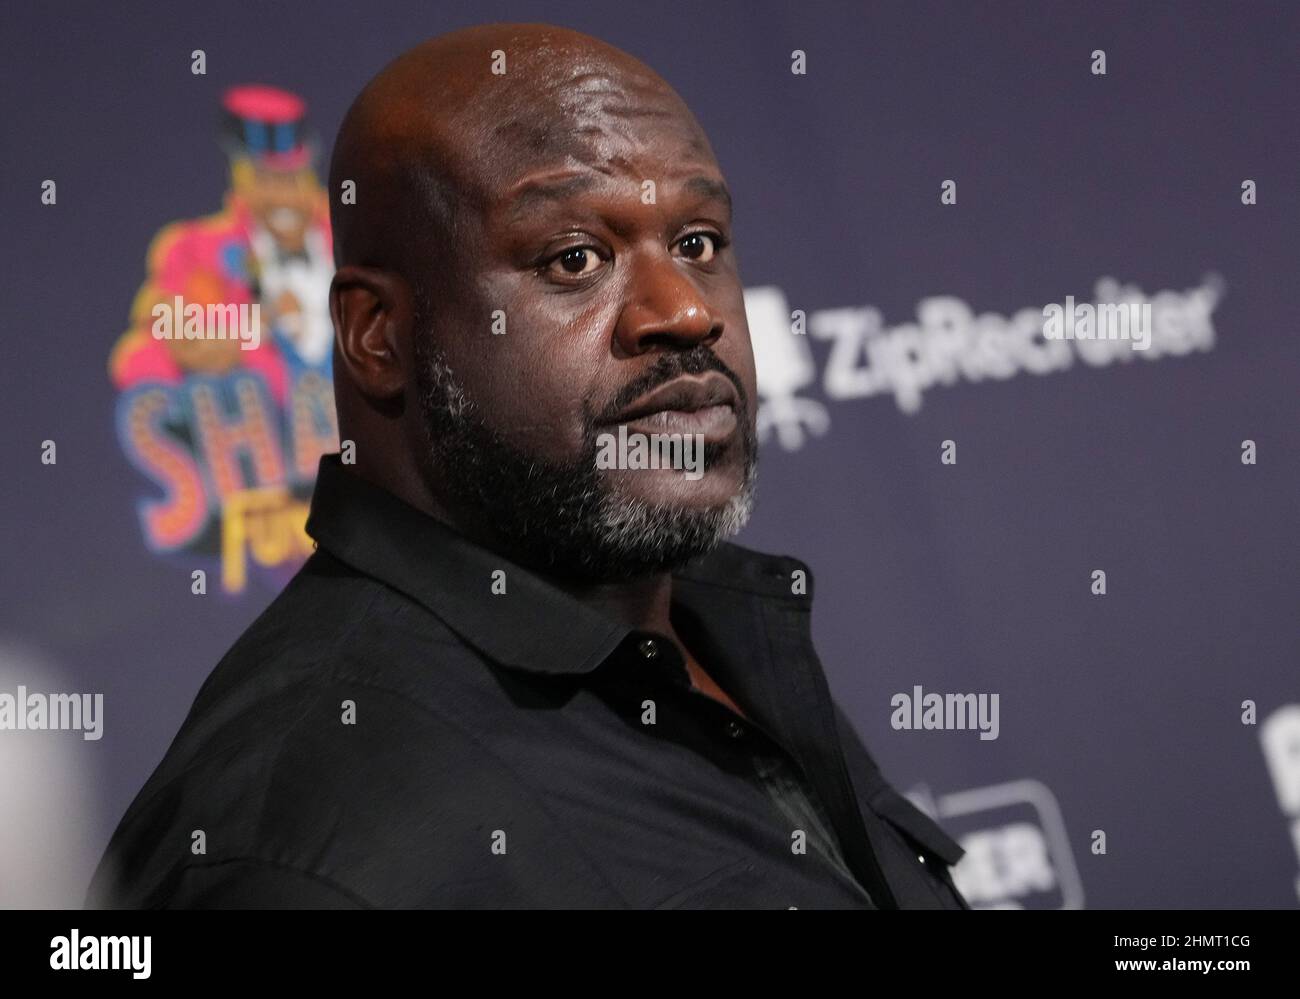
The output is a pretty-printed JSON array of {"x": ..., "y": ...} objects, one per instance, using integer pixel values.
[{"x": 433, "y": 138}]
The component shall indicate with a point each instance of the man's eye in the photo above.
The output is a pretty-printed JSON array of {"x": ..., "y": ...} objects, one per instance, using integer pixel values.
[
  {"x": 701, "y": 246},
  {"x": 576, "y": 261}
]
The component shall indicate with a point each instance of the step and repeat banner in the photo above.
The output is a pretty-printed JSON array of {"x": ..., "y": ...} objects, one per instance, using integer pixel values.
[{"x": 1021, "y": 285}]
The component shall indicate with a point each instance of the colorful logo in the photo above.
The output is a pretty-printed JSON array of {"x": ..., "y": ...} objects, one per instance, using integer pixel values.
[{"x": 229, "y": 437}]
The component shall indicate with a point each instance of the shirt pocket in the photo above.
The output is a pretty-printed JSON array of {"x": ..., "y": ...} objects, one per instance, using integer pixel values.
[
  {"x": 715, "y": 890},
  {"x": 918, "y": 870}
]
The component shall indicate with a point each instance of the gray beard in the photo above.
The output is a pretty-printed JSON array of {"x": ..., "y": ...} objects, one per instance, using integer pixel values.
[{"x": 564, "y": 518}]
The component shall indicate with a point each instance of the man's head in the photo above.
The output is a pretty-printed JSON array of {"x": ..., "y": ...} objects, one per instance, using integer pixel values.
[{"x": 539, "y": 251}]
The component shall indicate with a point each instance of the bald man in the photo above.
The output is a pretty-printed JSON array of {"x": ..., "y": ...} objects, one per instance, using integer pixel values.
[{"x": 524, "y": 667}]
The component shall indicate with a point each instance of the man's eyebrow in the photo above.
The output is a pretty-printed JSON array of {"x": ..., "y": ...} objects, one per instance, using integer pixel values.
[
  {"x": 533, "y": 193},
  {"x": 708, "y": 187}
]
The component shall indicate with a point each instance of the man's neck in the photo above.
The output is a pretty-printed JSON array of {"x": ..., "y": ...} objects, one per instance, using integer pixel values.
[{"x": 643, "y": 604}]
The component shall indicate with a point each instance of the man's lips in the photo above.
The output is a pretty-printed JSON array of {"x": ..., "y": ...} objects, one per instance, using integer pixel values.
[
  {"x": 707, "y": 397},
  {"x": 703, "y": 404},
  {"x": 716, "y": 422}
]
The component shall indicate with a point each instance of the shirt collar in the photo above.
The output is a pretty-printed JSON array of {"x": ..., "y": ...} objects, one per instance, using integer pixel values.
[
  {"x": 534, "y": 625},
  {"x": 748, "y": 612}
]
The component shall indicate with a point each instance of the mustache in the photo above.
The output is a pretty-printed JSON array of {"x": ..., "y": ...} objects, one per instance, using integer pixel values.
[{"x": 666, "y": 367}]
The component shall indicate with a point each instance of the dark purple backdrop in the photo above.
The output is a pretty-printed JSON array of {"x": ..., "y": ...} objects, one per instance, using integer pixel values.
[{"x": 1120, "y": 713}]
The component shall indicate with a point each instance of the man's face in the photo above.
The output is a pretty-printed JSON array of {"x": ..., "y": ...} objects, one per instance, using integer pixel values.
[{"x": 610, "y": 289}]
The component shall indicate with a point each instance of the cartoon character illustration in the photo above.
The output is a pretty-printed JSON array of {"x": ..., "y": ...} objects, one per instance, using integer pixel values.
[{"x": 232, "y": 435}]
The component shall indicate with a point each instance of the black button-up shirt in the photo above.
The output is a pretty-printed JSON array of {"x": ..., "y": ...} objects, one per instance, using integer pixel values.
[{"x": 415, "y": 721}]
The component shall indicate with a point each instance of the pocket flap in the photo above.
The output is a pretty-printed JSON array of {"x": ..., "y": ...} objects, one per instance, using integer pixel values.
[{"x": 896, "y": 809}]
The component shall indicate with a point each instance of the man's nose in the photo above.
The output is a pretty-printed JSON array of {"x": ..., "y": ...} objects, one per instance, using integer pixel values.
[{"x": 665, "y": 308}]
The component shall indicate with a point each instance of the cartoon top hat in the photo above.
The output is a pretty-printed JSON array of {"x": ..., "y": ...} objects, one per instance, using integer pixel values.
[{"x": 267, "y": 125}]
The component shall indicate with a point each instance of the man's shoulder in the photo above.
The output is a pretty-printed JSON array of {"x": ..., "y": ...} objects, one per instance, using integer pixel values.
[
  {"x": 304, "y": 742},
  {"x": 330, "y": 623},
  {"x": 324, "y": 786},
  {"x": 327, "y": 782}
]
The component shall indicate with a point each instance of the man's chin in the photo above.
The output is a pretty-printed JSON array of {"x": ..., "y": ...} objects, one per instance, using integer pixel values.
[
  {"x": 675, "y": 489},
  {"x": 632, "y": 536}
]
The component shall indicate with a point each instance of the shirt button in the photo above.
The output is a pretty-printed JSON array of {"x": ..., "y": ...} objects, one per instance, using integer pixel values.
[
  {"x": 735, "y": 729},
  {"x": 920, "y": 858},
  {"x": 648, "y": 648}
]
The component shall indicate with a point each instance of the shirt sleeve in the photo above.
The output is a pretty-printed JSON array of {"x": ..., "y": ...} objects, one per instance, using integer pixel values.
[{"x": 250, "y": 883}]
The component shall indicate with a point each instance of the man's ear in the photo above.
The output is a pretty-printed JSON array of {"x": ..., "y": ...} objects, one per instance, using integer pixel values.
[{"x": 372, "y": 313}]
